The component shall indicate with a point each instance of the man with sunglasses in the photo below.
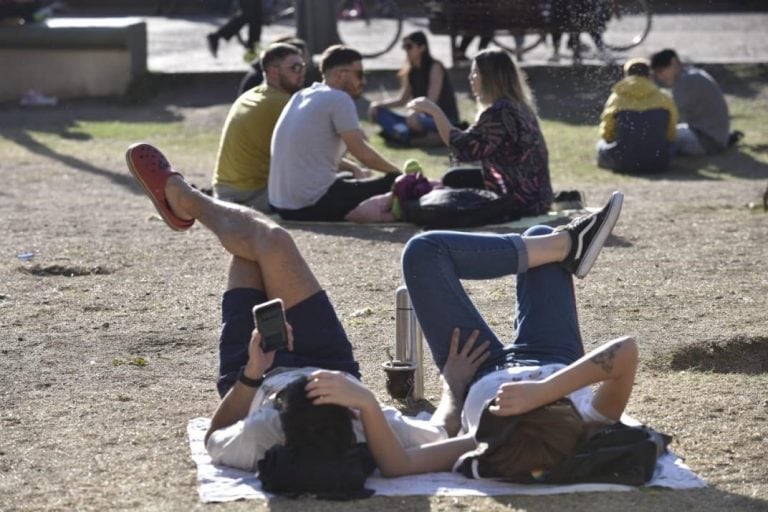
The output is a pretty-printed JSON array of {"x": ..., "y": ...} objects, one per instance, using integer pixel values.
[
  {"x": 242, "y": 163},
  {"x": 309, "y": 178}
]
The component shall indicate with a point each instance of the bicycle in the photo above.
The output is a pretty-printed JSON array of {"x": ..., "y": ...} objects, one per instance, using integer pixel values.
[
  {"x": 626, "y": 25},
  {"x": 356, "y": 20}
]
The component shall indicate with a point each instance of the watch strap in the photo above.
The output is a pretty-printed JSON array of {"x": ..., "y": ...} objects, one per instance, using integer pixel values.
[{"x": 251, "y": 383}]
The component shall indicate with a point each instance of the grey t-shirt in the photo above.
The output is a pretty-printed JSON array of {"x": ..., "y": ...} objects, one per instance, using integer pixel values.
[
  {"x": 701, "y": 104},
  {"x": 307, "y": 146}
]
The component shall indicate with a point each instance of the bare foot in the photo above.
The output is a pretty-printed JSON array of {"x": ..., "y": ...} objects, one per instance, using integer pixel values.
[{"x": 176, "y": 194}]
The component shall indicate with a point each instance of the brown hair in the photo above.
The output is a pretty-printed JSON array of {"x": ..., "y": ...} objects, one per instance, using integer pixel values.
[
  {"x": 542, "y": 439},
  {"x": 501, "y": 78},
  {"x": 338, "y": 55},
  {"x": 276, "y": 52}
]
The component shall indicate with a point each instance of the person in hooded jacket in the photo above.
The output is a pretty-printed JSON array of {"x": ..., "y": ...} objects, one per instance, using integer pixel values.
[{"x": 637, "y": 127}]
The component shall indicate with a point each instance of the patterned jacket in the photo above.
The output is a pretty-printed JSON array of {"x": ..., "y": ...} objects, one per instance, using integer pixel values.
[{"x": 508, "y": 143}]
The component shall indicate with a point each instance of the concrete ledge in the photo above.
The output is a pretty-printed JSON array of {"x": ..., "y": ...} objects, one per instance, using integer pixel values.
[{"x": 73, "y": 57}]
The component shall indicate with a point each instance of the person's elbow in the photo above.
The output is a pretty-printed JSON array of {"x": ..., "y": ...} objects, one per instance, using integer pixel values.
[{"x": 630, "y": 350}]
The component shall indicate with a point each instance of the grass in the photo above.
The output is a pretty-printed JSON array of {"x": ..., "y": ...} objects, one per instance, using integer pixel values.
[{"x": 571, "y": 144}]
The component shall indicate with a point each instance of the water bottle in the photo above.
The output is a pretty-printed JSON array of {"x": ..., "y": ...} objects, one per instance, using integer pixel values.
[{"x": 408, "y": 339}]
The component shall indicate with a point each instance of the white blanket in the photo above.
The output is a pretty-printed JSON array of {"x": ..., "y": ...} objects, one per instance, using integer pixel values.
[{"x": 220, "y": 483}]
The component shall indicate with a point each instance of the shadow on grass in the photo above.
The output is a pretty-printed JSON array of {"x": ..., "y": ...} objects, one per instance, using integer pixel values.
[
  {"x": 740, "y": 354},
  {"x": 19, "y": 126},
  {"x": 25, "y": 140},
  {"x": 734, "y": 163}
]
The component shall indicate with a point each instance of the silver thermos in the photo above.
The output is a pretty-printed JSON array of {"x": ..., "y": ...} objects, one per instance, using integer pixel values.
[{"x": 408, "y": 339}]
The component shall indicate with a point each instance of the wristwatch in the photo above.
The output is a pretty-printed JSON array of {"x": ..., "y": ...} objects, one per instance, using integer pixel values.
[{"x": 251, "y": 383}]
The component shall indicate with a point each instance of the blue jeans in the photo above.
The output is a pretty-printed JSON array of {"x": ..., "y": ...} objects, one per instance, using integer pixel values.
[
  {"x": 393, "y": 124},
  {"x": 545, "y": 316}
]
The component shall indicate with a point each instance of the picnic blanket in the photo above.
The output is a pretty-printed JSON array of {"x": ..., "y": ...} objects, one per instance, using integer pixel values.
[{"x": 222, "y": 484}]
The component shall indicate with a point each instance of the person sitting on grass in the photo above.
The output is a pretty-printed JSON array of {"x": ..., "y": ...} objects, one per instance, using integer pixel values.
[
  {"x": 505, "y": 138},
  {"x": 242, "y": 161},
  {"x": 705, "y": 122},
  {"x": 254, "y": 428},
  {"x": 637, "y": 127},
  {"x": 421, "y": 75},
  {"x": 309, "y": 180}
]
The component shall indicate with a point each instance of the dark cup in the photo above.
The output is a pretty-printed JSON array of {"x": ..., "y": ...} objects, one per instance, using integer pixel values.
[{"x": 399, "y": 378}]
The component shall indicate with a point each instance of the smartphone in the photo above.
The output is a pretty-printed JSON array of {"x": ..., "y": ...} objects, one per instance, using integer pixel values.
[{"x": 270, "y": 321}]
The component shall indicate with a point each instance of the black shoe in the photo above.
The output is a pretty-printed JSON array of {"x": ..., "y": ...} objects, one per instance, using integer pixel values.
[
  {"x": 734, "y": 138},
  {"x": 588, "y": 234},
  {"x": 568, "y": 200},
  {"x": 213, "y": 43}
]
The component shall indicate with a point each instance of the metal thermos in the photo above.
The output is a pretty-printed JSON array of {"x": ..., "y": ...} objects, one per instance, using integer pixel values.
[{"x": 408, "y": 339}]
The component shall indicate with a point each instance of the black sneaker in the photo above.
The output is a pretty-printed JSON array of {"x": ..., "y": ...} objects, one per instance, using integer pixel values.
[{"x": 588, "y": 234}]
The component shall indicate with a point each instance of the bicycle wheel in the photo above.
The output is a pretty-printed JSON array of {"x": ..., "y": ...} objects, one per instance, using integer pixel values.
[
  {"x": 628, "y": 25},
  {"x": 507, "y": 42},
  {"x": 371, "y": 27}
]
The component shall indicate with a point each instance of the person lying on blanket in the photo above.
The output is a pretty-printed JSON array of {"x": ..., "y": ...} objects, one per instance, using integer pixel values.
[
  {"x": 522, "y": 381},
  {"x": 261, "y": 422}
]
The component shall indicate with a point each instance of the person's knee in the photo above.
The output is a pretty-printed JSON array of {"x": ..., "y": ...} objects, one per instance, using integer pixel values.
[
  {"x": 413, "y": 123},
  {"x": 419, "y": 249},
  {"x": 538, "y": 230},
  {"x": 279, "y": 239}
]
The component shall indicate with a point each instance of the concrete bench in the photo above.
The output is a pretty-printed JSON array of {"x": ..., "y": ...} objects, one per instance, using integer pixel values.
[{"x": 72, "y": 57}]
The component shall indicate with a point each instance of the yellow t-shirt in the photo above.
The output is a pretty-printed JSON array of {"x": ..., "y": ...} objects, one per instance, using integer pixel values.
[{"x": 243, "y": 158}]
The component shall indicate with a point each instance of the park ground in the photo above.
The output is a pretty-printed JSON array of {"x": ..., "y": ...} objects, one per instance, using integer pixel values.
[{"x": 109, "y": 321}]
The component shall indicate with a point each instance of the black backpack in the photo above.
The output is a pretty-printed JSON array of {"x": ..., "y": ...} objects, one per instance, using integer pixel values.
[
  {"x": 443, "y": 208},
  {"x": 616, "y": 454}
]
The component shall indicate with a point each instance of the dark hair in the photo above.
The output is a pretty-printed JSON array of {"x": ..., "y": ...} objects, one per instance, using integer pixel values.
[
  {"x": 541, "y": 440},
  {"x": 502, "y": 78},
  {"x": 320, "y": 454},
  {"x": 639, "y": 69},
  {"x": 291, "y": 40},
  {"x": 663, "y": 58},
  {"x": 338, "y": 55},
  {"x": 418, "y": 38},
  {"x": 277, "y": 52},
  {"x": 320, "y": 429}
]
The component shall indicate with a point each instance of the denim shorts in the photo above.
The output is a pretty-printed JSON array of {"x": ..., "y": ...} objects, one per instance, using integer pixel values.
[{"x": 319, "y": 338}]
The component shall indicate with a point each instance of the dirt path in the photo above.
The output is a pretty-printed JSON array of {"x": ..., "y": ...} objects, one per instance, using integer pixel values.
[{"x": 108, "y": 334}]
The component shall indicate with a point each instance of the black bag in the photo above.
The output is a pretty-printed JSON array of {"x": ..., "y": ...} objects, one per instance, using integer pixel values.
[
  {"x": 459, "y": 208},
  {"x": 616, "y": 454}
]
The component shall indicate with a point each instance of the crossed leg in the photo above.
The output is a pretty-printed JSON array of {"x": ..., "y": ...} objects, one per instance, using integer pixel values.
[{"x": 266, "y": 264}]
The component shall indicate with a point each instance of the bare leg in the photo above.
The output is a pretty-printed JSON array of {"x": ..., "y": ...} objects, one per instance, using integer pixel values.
[{"x": 265, "y": 254}]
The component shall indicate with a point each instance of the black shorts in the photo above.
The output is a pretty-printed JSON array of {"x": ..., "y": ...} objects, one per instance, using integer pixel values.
[{"x": 319, "y": 338}]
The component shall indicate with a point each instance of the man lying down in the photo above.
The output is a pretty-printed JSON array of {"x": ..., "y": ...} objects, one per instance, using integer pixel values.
[{"x": 299, "y": 415}]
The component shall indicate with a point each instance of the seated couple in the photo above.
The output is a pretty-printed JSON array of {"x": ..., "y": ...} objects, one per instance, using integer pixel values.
[
  {"x": 276, "y": 405},
  {"x": 643, "y": 128}
]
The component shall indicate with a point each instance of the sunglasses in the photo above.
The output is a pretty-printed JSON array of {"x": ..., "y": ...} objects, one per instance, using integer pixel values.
[
  {"x": 297, "y": 67},
  {"x": 358, "y": 72},
  {"x": 407, "y": 46}
]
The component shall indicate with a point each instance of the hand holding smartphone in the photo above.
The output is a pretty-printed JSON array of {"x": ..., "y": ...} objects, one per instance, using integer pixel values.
[{"x": 270, "y": 322}]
